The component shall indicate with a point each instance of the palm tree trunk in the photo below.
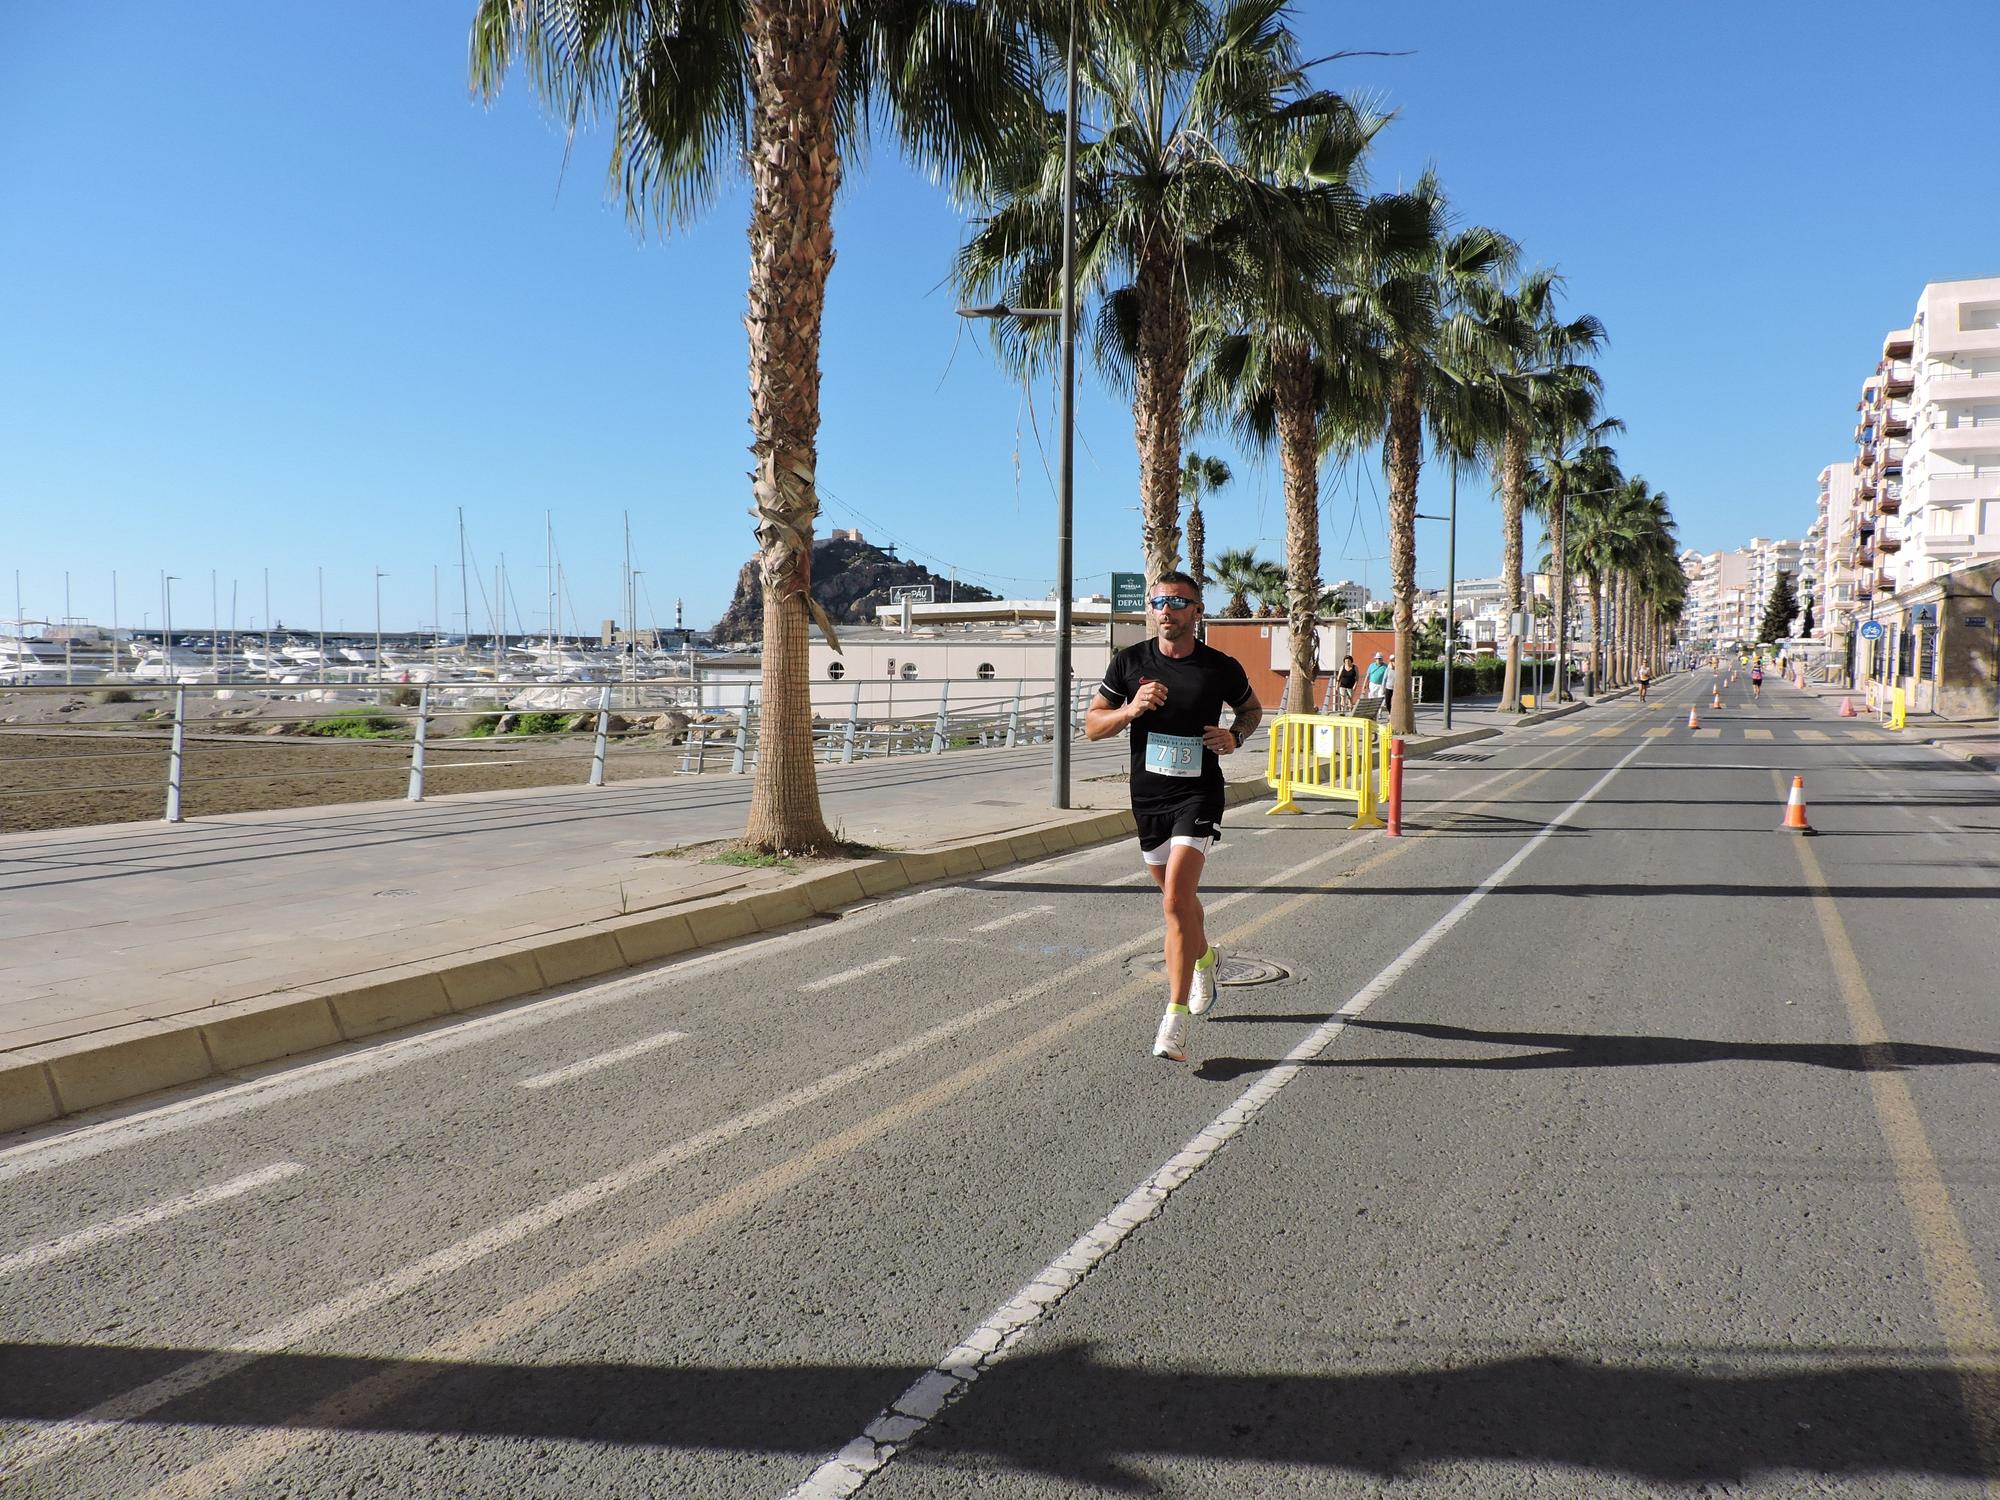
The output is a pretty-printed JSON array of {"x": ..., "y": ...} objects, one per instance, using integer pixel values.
[
  {"x": 1197, "y": 534},
  {"x": 1594, "y": 585},
  {"x": 1298, "y": 450},
  {"x": 1159, "y": 376},
  {"x": 1513, "y": 491},
  {"x": 1559, "y": 586},
  {"x": 1402, "y": 454},
  {"x": 795, "y": 57}
]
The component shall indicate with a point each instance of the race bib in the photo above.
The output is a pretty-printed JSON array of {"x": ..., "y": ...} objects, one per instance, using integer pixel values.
[{"x": 1173, "y": 754}]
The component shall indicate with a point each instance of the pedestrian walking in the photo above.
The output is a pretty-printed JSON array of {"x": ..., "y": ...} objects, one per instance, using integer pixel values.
[
  {"x": 1169, "y": 691},
  {"x": 1343, "y": 685},
  {"x": 1389, "y": 685},
  {"x": 1645, "y": 677},
  {"x": 1757, "y": 680}
]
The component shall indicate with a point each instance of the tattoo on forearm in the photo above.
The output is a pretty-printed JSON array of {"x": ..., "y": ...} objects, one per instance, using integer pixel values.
[{"x": 1247, "y": 720}]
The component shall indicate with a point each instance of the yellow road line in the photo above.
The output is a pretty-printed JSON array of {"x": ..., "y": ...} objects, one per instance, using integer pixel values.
[
  {"x": 1813, "y": 736},
  {"x": 1612, "y": 732},
  {"x": 1659, "y": 729},
  {"x": 1757, "y": 734},
  {"x": 1708, "y": 734},
  {"x": 257, "y": 1454},
  {"x": 1963, "y": 1307},
  {"x": 1561, "y": 730}
]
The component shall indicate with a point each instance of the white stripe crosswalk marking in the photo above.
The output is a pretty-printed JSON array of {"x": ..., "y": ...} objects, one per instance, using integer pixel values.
[
  {"x": 145, "y": 1218},
  {"x": 861, "y": 971},
  {"x": 603, "y": 1060}
]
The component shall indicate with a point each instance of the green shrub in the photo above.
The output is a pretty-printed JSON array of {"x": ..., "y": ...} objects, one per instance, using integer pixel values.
[
  {"x": 354, "y": 724},
  {"x": 405, "y": 697},
  {"x": 542, "y": 723},
  {"x": 114, "y": 695},
  {"x": 483, "y": 727}
]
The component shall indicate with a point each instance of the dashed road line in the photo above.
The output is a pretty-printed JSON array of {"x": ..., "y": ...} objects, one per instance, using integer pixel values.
[
  {"x": 144, "y": 1218},
  {"x": 859, "y": 971},
  {"x": 603, "y": 1060},
  {"x": 1011, "y": 918}
]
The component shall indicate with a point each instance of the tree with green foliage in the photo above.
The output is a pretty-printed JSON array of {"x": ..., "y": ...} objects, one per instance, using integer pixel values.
[
  {"x": 1200, "y": 475},
  {"x": 778, "y": 93},
  {"x": 1239, "y": 571},
  {"x": 1779, "y": 610}
]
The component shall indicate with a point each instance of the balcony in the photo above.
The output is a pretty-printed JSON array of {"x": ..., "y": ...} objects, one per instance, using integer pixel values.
[
  {"x": 1968, "y": 440},
  {"x": 1898, "y": 380},
  {"x": 1867, "y": 488},
  {"x": 1889, "y": 544},
  {"x": 1950, "y": 543},
  {"x": 1900, "y": 344},
  {"x": 1890, "y": 503},
  {"x": 1896, "y": 424},
  {"x": 1892, "y": 457},
  {"x": 1861, "y": 557},
  {"x": 1884, "y": 584},
  {"x": 1948, "y": 385},
  {"x": 1865, "y": 524}
]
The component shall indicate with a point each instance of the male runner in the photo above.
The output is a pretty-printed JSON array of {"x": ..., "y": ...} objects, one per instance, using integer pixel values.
[
  {"x": 1645, "y": 680},
  {"x": 1169, "y": 691}
]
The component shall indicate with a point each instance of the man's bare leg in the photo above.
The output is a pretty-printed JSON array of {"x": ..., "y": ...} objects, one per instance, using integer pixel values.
[{"x": 1187, "y": 938}]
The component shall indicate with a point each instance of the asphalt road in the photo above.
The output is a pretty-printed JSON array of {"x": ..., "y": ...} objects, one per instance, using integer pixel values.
[{"x": 1603, "y": 1141}]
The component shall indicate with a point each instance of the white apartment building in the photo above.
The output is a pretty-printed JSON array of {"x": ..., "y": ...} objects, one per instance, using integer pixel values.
[
  {"x": 1352, "y": 595},
  {"x": 1727, "y": 591},
  {"x": 1928, "y": 466},
  {"x": 1836, "y": 527}
]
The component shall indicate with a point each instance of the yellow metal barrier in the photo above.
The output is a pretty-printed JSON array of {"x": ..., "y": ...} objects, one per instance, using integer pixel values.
[
  {"x": 1899, "y": 707},
  {"x": 1316, "y": 755}
]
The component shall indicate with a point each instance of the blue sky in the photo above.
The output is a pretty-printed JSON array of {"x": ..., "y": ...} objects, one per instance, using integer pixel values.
[{"x": 281, "y": 296}]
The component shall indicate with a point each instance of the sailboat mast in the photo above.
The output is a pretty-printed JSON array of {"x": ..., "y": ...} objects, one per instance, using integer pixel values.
[{"x": 464, "y": 585}]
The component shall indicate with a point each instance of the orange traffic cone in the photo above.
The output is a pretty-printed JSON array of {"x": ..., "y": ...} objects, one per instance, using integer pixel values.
[
  {"x": 1847, "y": 708},
  {"x": 1715, "y": 698},
  {"x": 1693, "y": 722},
  {"x": 1795, "y": 808}
]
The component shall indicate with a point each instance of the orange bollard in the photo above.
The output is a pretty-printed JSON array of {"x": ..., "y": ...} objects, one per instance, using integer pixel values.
[
  {"x": 1693, "y": 722},
  {"x": 1795, "y": 808},
  {"x": 1396, "y": 787}
]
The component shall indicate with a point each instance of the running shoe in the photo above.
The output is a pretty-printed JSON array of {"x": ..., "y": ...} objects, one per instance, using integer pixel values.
[
  {"x": 1206, "y": 981},
  {"x": 1170, "y": 1041}
]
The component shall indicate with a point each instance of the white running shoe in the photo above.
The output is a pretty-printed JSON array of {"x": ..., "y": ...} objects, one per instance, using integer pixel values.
[
  {"x": 1205, "y": 982},
  {"x": 1170, "y": 1041}
]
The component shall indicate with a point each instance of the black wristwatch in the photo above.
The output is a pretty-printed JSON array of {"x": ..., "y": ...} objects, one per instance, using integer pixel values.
[{"x": 1237, "y": 735}]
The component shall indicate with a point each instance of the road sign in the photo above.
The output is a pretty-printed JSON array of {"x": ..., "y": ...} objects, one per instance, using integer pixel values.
[
  {"x": 1923, "y": 614},
  {"x": 1128, "y": 593},
  {"x": 917, "y": 593},
  {"x": 1996, "y": 592},
  {"x": 1871, "y": 630}
]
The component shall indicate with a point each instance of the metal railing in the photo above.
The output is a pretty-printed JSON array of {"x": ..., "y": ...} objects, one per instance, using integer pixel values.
[{"x": 720, "y": 738}]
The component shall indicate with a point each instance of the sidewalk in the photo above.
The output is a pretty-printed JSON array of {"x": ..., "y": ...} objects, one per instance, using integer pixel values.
[
  {"x": 141, "y": 956},
  {"x": 1978, "y": 743}
]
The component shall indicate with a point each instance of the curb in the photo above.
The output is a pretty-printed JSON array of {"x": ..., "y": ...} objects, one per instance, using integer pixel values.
[
  {"x": 1971, "y": 757},
  {"x": 48, "y": 1081}
]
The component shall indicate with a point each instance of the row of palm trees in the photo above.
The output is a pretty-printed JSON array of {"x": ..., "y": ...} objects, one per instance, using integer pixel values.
[{"x": 1238, "y": 273}]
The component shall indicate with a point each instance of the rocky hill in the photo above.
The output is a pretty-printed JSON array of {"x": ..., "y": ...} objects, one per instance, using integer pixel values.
[{"x": 851, "y": 578}]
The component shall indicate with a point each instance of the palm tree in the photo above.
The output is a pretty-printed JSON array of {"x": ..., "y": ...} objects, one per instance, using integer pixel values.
[
  {"x": 1276, "y": 360},
  {"x": 1269, "y": 589},
  {"x": 1412, "y": 305},
  {"x": 1571, "y": 460},
  {"x": 1182, "y": 98},
  {"x": 780, "y": 92},
  {"x": 1538, "y": 373},
  {"x": 1239, "y": 571},
  {"x": 1200, "y": 475}
]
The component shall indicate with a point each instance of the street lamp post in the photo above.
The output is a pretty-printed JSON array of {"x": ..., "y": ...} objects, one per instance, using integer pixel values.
[
  {"x": 1450, "y": 586},
  {"x": 167, "y": 582},
  {"x": 379, "y": 576},
  {"x": 1066, "y": 421}
]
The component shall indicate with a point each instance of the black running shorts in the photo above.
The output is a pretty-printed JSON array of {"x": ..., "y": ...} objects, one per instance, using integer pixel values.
[{"x": 1194, "y": 824}]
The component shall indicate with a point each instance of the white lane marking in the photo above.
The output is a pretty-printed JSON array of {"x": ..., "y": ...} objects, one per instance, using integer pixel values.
[
  {"x": 603, "y": 1060},
  {"x": 61, "y": 1437},
  {"x": 1011, "y": 918},
  {"x": 291, "y": 1080},
  {"x": 143, "y": 1218},
  {"x": 1002, "y": 1332},
  {"x": 860, "y": 971}
]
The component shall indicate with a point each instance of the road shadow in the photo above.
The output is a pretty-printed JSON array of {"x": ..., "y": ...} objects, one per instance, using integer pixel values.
[
  {"x": 1569, "y": 1049},
  {"x": 1063, "y": 1412}
]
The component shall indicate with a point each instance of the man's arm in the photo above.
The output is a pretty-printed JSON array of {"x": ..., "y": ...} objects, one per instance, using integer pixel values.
[
  {"x": 1249, "y": 714},
  {"x": 1104, "y": 718}
]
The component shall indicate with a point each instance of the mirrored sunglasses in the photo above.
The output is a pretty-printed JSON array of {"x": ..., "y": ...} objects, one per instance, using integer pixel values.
[{"x": 1170, "y": 601}]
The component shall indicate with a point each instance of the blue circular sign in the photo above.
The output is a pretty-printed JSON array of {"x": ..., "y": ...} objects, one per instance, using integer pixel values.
[{"x": 1871, "y": 630}]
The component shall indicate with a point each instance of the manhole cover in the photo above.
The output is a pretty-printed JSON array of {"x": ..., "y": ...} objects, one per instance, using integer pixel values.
[
  {"x": 1463, "y": 757},
  {"x": 395, "y": 893},
  {"x": 1238, "y": 969}
]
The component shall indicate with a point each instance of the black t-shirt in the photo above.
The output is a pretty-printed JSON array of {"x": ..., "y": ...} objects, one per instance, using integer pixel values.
[{"x": 1170, "y": 765}]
